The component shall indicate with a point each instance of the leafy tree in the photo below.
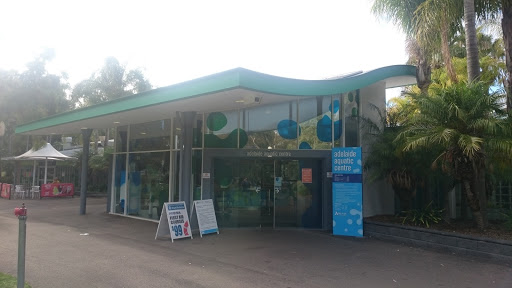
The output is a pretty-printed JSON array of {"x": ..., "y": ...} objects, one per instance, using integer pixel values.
[
  {"x": 402, "y": 14},
  {"x": 404, "y": 170},
  {"x": 468, "y": 124},
  {"x": 112, "y": 81},
  {"x": 30, "y": 95}
]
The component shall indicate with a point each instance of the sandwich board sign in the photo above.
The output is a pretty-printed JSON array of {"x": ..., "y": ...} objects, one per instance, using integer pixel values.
[
  {"x": 205, "y": 216},
  {"x": 174, "y": 221}
]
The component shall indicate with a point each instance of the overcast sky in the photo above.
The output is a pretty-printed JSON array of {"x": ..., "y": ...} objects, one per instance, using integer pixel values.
[{"x": 174, "y": 41}]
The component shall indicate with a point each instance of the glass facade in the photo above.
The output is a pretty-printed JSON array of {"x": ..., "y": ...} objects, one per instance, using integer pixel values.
[
  {"x": 148, "y": 189},
  {"x": 269, "y": 127},
  {"x": 247, "y": 192},
  {"x": 315, "y": 123},
  {"x": 150, "y": 136},
  {"x": 267, "y": 193}
]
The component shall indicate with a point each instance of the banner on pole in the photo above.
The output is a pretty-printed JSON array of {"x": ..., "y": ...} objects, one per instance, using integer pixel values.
[{"x": 347, "y": 192}]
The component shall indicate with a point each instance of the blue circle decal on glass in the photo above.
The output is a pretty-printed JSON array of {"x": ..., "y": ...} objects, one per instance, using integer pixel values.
[
  {"x": 304, "y": 145},
  {"x": 323, "y": 129},
  {"x": 336, "y": 106},
  {"x": 287, "y": 129}
]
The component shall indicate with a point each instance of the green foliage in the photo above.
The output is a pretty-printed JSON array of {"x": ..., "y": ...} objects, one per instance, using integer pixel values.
[
  {"x": 423, "y": 217},
  {"x": 507, "y": 215},
  {"x": 8, "y": 281},
  {"x": 27, "y": 96},
  {"x": 387, "y": 158},
  {"x": 112, "y": 81},
  {"x": 462, "y": 119}
]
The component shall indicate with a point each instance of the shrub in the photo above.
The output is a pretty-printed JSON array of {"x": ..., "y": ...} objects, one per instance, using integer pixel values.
[{"x": 423, "y": 217}]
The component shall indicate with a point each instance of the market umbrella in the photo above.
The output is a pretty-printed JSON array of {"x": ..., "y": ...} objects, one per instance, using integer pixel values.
[{"x": 46, "y": 152}]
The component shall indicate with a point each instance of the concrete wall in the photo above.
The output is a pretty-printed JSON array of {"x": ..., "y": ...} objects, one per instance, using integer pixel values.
[{"x": 378, "y": 197}]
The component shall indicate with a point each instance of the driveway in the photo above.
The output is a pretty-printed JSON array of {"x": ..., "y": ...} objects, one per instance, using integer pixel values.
[{"x": 65, "y": 249}]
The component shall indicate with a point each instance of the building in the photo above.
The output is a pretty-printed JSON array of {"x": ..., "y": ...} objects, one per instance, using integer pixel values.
[{"x": 258, "y": 145}]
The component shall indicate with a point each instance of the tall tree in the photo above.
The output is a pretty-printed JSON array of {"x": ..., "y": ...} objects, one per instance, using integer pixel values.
[
  {"x": 506, "y": 25},
  {"x": 471, "y": 40},
  {"x": 402, "y": 14},
  {"x": 32, "y": 94},
  {"x": 437, "y": 23},
  {"x": 112, "y": 81}
]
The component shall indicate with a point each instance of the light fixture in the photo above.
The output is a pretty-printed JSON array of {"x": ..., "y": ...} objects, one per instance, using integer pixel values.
[{"x": 117, "y": 122}]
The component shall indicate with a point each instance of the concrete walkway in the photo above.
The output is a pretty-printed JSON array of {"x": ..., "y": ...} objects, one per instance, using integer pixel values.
[{"x": 122, "y": 252}]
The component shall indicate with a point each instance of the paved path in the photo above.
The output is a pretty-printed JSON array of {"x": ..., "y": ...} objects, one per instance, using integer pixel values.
[{"x": 122, "y": 252}]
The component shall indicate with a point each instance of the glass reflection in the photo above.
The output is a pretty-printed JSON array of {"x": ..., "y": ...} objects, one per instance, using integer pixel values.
[{"x": 148, "y": 184}]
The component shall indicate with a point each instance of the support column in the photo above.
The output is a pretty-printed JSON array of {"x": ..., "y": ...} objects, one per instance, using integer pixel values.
[
  {"x": 86, "y": 138},
  {"x": 187, "y": 119}
]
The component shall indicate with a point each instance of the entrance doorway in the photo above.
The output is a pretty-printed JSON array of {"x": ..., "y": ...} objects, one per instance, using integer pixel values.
[{"x": 268, "y": 193}]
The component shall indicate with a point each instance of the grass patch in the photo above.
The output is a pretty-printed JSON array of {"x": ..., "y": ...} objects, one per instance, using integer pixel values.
[{"x": 8, "y": 281}]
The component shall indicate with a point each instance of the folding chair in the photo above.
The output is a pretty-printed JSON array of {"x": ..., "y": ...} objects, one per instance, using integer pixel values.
[
  {"x": 34, "y": 191},
  {"x": 19, "y": 192}
]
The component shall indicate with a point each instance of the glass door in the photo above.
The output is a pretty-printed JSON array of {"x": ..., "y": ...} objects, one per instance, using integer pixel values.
[
  {"x": 268, "y": 193},
  {"x": 265, "y": 191},
  {"x": 285, "y": 193}
]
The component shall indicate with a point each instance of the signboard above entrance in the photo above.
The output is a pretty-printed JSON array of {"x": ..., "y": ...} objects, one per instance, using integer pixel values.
[{"x": 269, "y": 153}]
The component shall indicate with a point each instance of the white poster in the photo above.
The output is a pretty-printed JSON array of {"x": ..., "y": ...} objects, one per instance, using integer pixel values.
[
  {"x": 175, "y": 217},
  {"x": 206, "y": 216}
]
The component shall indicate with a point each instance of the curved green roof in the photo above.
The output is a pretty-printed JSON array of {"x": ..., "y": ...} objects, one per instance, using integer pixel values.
[{"x": 235, "y": 78}]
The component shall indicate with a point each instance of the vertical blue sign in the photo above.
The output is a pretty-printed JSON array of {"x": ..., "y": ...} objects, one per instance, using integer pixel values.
[{"x": 347, "y": 192}]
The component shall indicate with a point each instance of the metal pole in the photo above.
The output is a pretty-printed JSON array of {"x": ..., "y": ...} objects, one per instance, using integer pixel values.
[
  {"x": 86, "y": 136},
  {"x": 22, "y": 216}
]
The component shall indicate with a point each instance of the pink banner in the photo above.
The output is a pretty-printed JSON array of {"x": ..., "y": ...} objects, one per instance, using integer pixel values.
[
  {"x": 5, "y": 191},
  {"x": 57, "y": 190}
]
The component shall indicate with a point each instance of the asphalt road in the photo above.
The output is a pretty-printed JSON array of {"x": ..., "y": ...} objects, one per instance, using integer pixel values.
[{"x": 122, "y": 252}]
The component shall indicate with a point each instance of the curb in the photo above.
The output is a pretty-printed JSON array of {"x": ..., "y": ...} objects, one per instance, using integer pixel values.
[{"x": 500, "y": 250}]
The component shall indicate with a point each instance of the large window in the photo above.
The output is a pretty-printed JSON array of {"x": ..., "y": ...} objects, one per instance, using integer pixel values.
[
  {"x": 150, "y": 136},
  {"x": 351, "y": 108},
  {"x": 270, "y": 127},
  {"x": 148, "y": 184},
  {"x": 121, "y": 139},
  {"x": 221, "y": 130},
  {"x": 316, "y": 123},
  {"x": 120, "y": 183}
]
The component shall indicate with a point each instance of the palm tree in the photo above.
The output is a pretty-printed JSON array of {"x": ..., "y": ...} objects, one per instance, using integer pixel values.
[
  {"x": 403, "y": 170},
  {"x": 506, "y": 26},
  {"x": 401, "y": 13},
  {"x": 467, "y": 123},
  {"x": 438, "y": 21},
  {"x": 471, "y": 40}
]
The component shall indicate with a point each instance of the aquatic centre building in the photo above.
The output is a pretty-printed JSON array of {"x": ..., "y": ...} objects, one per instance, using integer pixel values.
[{"x": 258, "y": 145}]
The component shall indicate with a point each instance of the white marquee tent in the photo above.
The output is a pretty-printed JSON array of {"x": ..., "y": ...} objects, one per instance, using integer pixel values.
[{"x": 46, "y": 152}]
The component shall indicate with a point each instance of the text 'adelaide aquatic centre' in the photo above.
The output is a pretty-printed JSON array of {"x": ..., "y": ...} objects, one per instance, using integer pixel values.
[{"x": 343, "y": 164}]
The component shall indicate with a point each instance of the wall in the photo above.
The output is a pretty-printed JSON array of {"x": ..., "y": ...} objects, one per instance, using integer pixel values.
[{"x": 378, "y": 197}]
